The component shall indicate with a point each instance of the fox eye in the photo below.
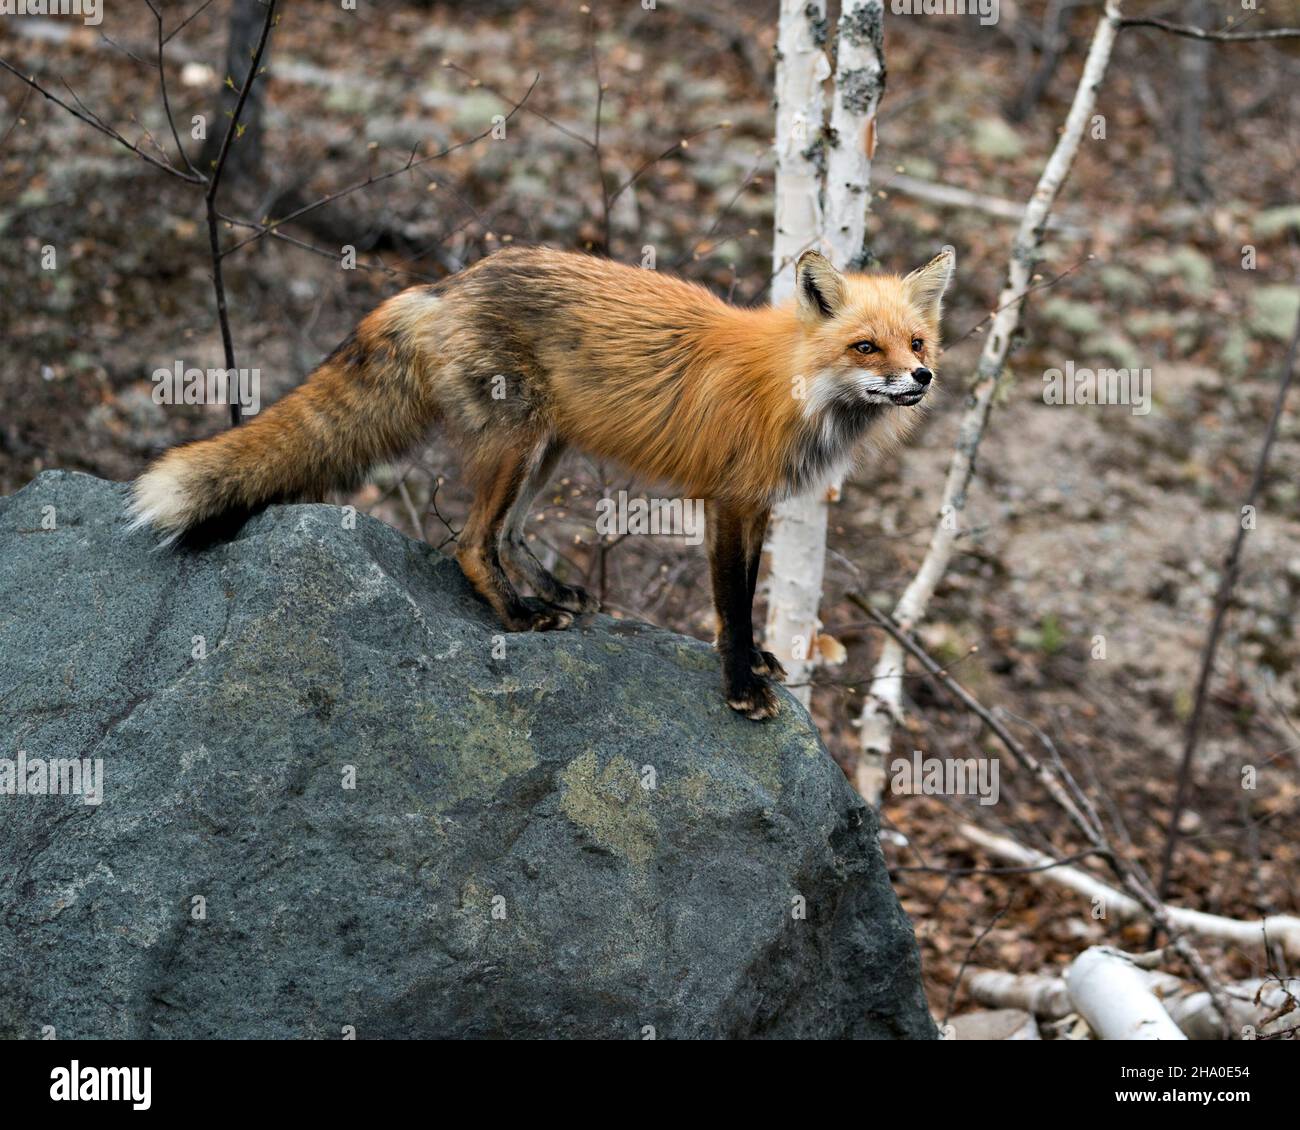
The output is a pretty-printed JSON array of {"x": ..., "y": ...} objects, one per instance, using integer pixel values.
[
  {"x": 917, "y": 345},
  {"x": 864, "y": 346}
]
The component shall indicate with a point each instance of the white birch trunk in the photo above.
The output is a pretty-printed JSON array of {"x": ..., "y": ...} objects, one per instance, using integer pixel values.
[
  {"x": 883, "y": 707},
  {"x": 1113, "y": 996},
  {"x": 797, "y": 541}
]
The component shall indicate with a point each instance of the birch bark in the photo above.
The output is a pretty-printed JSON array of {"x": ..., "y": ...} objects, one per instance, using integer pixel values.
[{"x": 832, "y": 218}]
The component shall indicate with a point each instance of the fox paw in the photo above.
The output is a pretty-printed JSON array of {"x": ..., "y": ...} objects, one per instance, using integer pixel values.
[
  {"x": 552, "y": 620},
  {"x": 534, "y": 616},
  {"x": 572, "y": 599},
  {"x": 756, "y": 700},
  {"x": 765, "y": 663}
]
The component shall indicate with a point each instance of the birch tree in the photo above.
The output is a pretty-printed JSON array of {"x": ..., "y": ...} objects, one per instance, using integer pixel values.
[
  {"x": 833, "y": 217},
  {"x": 883, "y": 707}
]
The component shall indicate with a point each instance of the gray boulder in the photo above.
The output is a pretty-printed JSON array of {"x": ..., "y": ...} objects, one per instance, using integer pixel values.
[{"x": 333, "y": 798}]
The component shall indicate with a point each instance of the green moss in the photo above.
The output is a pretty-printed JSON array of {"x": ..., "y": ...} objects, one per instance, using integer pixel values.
[
  {"x": 1111, "y": 346},
  {"x": 610, "y": 805},
  {"x": 1049, "y": 637},
  {"x": 489, "y": 743},
  {"x": 1273, "y": 222},
  {"x": 1234, "y": 354},
  {"x": 573, "y": 668},
  {"x": 1120, "y": 282},
  {"x": 1187, "y": 265},
  {"x": 1080, "y": 318},
  {"x": 1273, "y": 311},
  {"x": 1151, "y": 323},
  {"x": 694, "y": 658},
  {"x": 992, "y": 137}
]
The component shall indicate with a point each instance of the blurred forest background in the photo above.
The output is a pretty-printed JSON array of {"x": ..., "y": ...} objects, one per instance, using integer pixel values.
[{"x": 652, "y": 129}]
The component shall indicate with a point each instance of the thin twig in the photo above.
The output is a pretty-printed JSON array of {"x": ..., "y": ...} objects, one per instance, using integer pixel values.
[
  {"x": 162, "y": 85},
  {"x": 1205, "y": 33},
  {"x": 411, "y": 163},
  {"x": 1054, "y": 779},
  {"x": 186, "y": 21},
  {"x": 965, "y": 961},
  {"x": 210, "y": 204},
  {"x": 95, "y": 121},
  {"x": 1227, "y": 581}
]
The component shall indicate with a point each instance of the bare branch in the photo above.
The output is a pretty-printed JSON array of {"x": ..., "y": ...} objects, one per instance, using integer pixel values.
[
  {"x": 1048, "y": 779},
  {"x": 883, "y": 707},
  {"x": 210, "y": 203},
  {"x": 1065, "y": 791},
  {"x": 214, "y": 182},
  {"x": 103, "y": 127},
  {"x": 560, "y": 126},
  {"x": 1227, "y": 581},
  {"x": 1206, "y": 33},
  {"x": 410, "y": 163},
  {"x": 324, "y": 252},
  {"x": 18, "y": 117},
  {"x": 647, "y": 165},
  {"x": 162, "y": 86},
  {"x": 180, "y": 27}
]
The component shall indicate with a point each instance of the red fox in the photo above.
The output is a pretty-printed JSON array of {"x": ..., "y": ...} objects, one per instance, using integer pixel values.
[{"x": 531, "y": 351}]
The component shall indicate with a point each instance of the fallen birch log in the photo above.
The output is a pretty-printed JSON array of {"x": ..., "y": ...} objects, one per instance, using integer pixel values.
[
  {"x": 1282, "y": 929},
  {"x": 950, "y": 196},
  {"x": 1113, "y": 996},
  {"x": 1048, "y": 999},
  {"x": 1044, "y": 996},
  {"x": 1001, "y": 1024},
  {"x": 1196, "y": 1015}
]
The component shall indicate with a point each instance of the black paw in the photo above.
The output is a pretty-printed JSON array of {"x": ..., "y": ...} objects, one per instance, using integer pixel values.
[
  {"x": 536, "y": 616},
  {"x": 573, "y": 599},
  {"x": 765, "y": 663},
  {"x": 754, "y": 697}
]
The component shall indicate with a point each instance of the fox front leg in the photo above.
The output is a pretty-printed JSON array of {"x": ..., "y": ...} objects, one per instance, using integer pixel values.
[
  {"x": 747, "y": 690},
  {"x": 762, "y": 662}
]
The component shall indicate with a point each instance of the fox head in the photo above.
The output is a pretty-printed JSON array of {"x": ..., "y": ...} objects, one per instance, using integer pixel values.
[{"x": 868, "y": 339}]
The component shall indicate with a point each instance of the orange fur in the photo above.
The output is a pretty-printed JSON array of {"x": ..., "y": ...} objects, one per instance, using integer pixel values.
[{"x": 531, "y": 351}]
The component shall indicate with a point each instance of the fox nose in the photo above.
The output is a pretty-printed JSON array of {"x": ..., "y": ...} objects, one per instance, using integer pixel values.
[{"x": 922, "y": 376}]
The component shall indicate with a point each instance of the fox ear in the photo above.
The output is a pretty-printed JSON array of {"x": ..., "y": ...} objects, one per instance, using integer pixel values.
[
  {"x": 925, "y": 285},
  {"x": 820, "y": 286}
]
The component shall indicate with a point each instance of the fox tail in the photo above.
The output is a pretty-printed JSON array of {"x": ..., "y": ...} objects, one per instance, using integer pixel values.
[{"x": 368, "y": 401}]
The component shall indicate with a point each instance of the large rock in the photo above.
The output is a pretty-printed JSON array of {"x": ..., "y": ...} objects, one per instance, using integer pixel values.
[{"x": 564, "y": 834}]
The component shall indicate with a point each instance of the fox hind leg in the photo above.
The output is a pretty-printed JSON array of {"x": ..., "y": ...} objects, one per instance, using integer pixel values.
[
  {"x": 499, "y": 478},
  {"x": 515, "y": 552}
]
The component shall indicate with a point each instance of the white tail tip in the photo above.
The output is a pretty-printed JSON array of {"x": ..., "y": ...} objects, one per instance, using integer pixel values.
[{"x": 159, "y": 501}]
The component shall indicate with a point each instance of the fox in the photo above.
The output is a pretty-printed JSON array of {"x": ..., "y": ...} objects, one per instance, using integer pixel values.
[{"x": 530, "y": 352}]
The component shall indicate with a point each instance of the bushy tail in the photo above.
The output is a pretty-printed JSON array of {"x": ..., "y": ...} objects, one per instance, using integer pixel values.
[{"x": 369, "y": 400}]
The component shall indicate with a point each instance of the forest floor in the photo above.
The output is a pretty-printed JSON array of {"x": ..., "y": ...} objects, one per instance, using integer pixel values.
[{"x": 1080, "y": 596}]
